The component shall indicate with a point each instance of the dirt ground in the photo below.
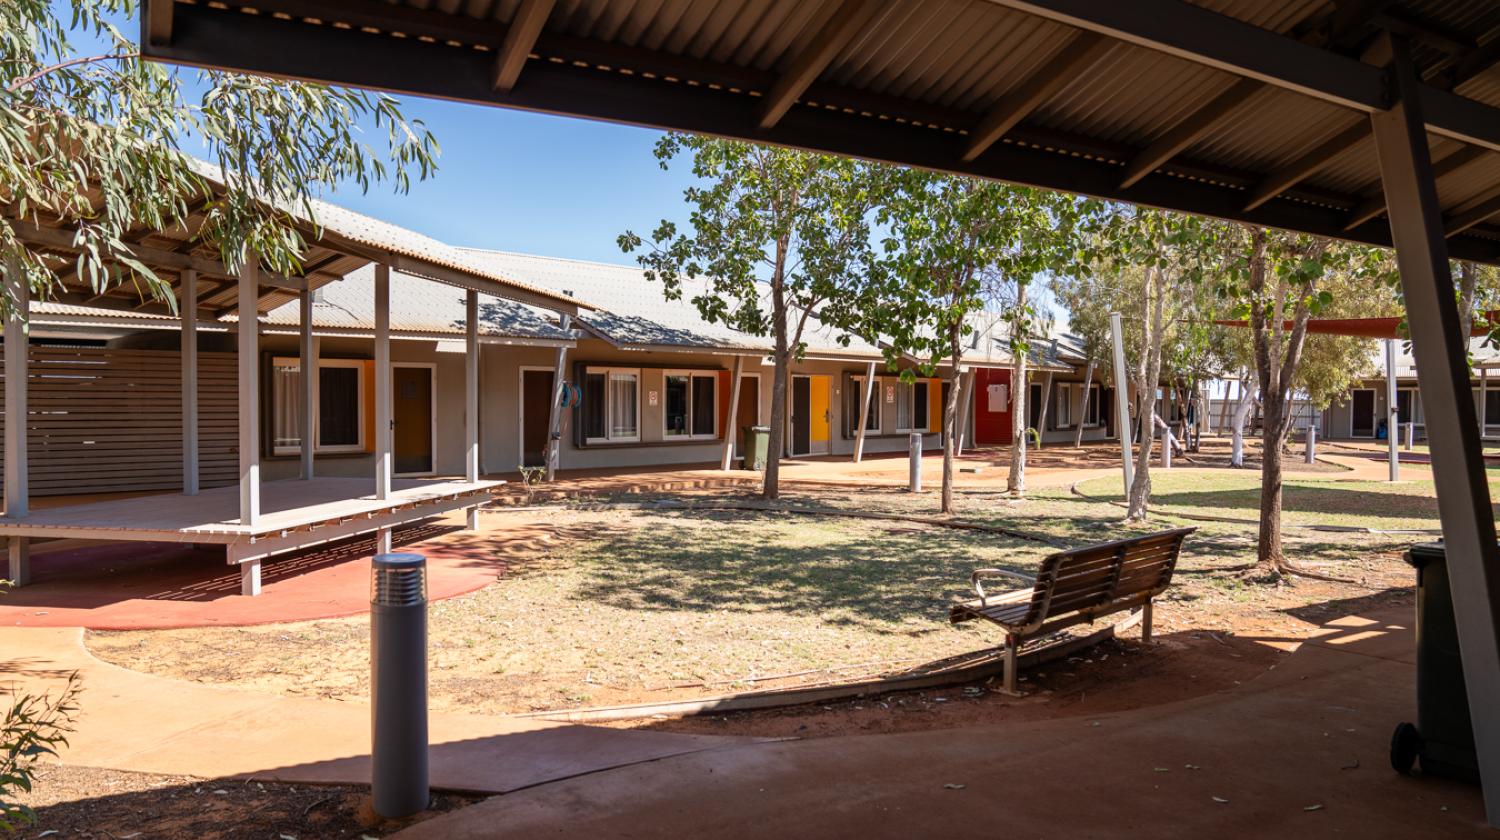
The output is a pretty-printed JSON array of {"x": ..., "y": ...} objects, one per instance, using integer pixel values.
[
  {"x": 93, "y": 803},
  {"x": 649, "y": 605}
]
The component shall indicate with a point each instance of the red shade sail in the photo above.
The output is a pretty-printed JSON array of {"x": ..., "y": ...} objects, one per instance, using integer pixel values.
[{"x": 1369, "y": 327}]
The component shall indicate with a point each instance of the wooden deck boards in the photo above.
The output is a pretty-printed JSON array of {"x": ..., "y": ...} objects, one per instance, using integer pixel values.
[{"x": 212, "y": 516}]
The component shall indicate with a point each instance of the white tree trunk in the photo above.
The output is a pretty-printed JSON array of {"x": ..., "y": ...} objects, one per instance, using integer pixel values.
[
  {"x": 1241, "y": 414},
  {"x": 1083, "y": 404}
]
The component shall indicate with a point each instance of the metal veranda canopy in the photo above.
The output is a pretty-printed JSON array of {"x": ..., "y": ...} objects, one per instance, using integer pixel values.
[{"x": 1373, "y": 120}]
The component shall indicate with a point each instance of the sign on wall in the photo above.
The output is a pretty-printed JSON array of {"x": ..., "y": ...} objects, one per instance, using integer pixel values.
[
  {"x": 997, "y": 397},
  {"x": 890, "y": 394},
  {"x": 651, "y": 398}
]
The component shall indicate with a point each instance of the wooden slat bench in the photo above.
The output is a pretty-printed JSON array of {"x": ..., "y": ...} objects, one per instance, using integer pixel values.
[{"x": 1076, "y": 586}]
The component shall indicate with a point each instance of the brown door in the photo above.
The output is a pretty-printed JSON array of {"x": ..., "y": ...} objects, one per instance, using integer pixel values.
[
  {"x": 412, "y": 438},
  {"x": 747, "y": 413},
  {"x": 536, "y": 413}
]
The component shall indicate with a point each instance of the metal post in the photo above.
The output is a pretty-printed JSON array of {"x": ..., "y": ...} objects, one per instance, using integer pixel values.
[
  {"x": 17, "y": 355},
  {"x": 471, "y": 399},
  {"x": 383, "y": 406},
  {"x": 730, "y": 422},
  {"x": 1311, "y": 455},
  {"x": 1122, "y": 400},
  {"x": 249, "y": 387},
  {"x": 1441, "y": 353},
  {"x": 308, "y": 368},
  {"x": 554, "y": 417},
  {"x": 1484, "y": 401},
  {"x": 866, "y": 395},
  {"x": 398, "y": 685},
  {"x": 187, "y": 302},
  {"x": 1392, "y": 421},
  {"x": 914, "y": 455}
]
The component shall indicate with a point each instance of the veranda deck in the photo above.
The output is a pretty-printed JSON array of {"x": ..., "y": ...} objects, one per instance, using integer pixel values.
[{"x": 295, "y": 514}]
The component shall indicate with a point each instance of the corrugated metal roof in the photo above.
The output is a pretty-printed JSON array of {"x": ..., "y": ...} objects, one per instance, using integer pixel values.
[{"x": 914, "y": 78}]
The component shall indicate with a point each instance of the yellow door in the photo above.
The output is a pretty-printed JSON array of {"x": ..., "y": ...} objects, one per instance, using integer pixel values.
[{"x": 818, "y": 415}]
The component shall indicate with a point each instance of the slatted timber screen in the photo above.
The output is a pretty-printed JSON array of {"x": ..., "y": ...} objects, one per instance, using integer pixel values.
[{"x": 109, "y": 421}]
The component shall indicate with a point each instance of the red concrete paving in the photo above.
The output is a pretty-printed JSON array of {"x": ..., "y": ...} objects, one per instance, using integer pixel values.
[
  {"x": 1298, "y": 752},
  {"x": 133, "y": 586},
  {"x": 133, "y": 721}
]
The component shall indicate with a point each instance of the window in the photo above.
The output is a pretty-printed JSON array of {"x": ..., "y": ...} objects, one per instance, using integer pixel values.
[
  {"x": 911, "y": 406},
  {"x": 1491, "y": 407},
  {"x": 1034, "y": 405},
  {"x": 1404, "y": 398},
  {"x": 856, "y": 393},
  {"x": 611, "y": 408},
  {"x": 692, "y": 409},
  {"x": 1092, "y": 408},
  {"x": 340, "y": 412},
  {"x": 1063, "y": 412}
]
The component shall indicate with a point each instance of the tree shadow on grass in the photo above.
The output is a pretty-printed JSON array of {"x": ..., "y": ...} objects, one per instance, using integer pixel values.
[{"x": 852, "y": 572}]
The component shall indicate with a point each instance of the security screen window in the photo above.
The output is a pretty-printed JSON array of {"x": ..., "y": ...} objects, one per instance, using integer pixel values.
[{"x": 691, "y": 410}]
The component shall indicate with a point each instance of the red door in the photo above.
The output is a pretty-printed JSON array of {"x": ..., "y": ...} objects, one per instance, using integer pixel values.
[{"x": 992, "y": 403}]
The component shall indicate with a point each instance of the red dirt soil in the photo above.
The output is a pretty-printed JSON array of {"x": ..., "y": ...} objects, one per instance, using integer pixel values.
[{"x": 140, "y": 586}]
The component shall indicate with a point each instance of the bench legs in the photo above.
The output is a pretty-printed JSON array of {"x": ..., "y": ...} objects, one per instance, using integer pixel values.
[
  {"x": 1010, "y": 663},
  {"x": 18, "y": 553},
  {"x": 1146, "y": 623}
]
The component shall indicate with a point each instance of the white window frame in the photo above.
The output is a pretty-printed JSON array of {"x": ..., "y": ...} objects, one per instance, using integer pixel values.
[
  {"x": 691, "y": 374},
  {"x": 359, "y": 365},
  {"x": 906, "y": 392},
  {"x": 1419, "y": 417},
  {"x": 1062, "y": 395},
  {"x": 608, "y": 373},
  {"x": 1095, "y": 397},
  {"x": 874, "y": 404}
]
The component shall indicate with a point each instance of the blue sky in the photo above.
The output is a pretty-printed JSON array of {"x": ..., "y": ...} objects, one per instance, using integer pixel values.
[
  {"x": 532, "y": 183},
  {"x": 514, "y": 181}
]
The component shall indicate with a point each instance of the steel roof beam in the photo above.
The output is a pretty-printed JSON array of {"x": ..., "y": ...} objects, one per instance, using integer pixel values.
[
  {"x": 850, "y": 19},
  {"x": 1373, "y": 203},
  {"x": 525, "y": 26},
  {"x": 1205, "y": 37},
  {"x": 1187, "y": 131},
  {"x": 1482, "y": 209},
  {"x": 1293, "y": 173},
  {"x": 1075, "y": 57}
]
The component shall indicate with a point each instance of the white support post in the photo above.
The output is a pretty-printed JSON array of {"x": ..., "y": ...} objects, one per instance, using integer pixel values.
[
  {"x": 1122, "y": 400},
  {"x": 308, "y": 368},
  {"x": 965, "y": 406},
  {"x": 1311, "y": 455},
  {"x": 866, "y": 394},
  {"x": 730, "y": 423},
  {"x": 383, "y": 541},
  {"x": 383, "y": 468},
  {"x": 1392, "y": 419},
  {"x": 250, "y": 578},
  {"x": 554, "y": 415},
  {"x": 1041, "y": 417},
  {"x": 1441, "y": 352},
  {"x": 471, "y": 399},
  {"x": 187, "y": 302},
  {"x": 1484, "y": 401},
  {"x": 249, "y": 394},
  {"x": 18, "y": 555},
  {"x": 914, "y": 462},
  {"x": 17, "y": 356}
]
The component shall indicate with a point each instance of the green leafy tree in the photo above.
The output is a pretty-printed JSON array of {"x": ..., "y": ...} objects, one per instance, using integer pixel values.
[
  {"x": 1162, "y": 258},
  {"x": 97, "y": 141},
  {"x": 778, "y": 237},
  {"x": 1089, "y": 299},
  {"x": 1282, "y": 281},
  {"x": 954, "y": 244}
]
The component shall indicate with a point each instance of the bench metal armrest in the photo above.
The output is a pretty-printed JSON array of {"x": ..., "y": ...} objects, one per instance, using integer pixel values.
[{"x": 977, "y": 577}]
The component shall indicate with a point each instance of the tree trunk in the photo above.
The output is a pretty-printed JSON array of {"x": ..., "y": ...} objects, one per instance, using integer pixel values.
[
  {"x": 1241, "y": 415},
  {"x": 1083, "y": 405},
  {"x": 1268, "y": 546},
  {"x": 1468, "y": 288},
  {"x": 1018, "y": 405},
  {"x": 777, "y": 441},
  {"x": 1153, "y": 324},
  {"x": 950, "y": 429}
]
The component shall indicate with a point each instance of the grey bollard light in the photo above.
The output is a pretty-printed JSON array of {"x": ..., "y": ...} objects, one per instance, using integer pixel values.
[
  {"x": 914, "y": 444},
  {"x": 398, "y": 684}
]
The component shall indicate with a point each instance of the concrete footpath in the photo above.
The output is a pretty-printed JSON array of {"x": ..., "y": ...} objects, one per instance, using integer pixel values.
[
  {"x": 133, "y": 721},
  {"x": 1299, "y": 752}
]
